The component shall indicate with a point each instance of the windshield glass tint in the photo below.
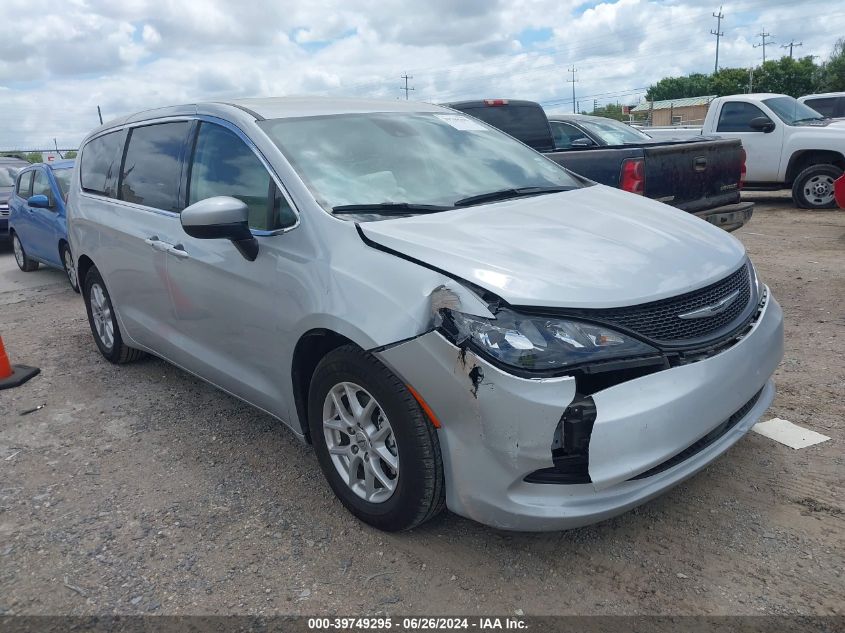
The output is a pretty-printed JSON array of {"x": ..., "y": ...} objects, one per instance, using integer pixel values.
[
  {"x": 791, "y": 111},
  {"x": 613, "y": 132},
  {"x": 63, "y": 178},
  {"x": 418, "y": 158},
  {"x": 7, "y": 176}
]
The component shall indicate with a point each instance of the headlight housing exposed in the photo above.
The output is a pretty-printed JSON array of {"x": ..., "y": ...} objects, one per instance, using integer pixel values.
[{"x": 537, "y": 343}]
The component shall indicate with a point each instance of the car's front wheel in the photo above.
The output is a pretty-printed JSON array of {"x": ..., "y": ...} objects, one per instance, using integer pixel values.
[
  {"x": 103, "y": 321},
  {"x": 24, "y": 263},
  {"x": 376, "y": 447},
  {"x": 813, "y": 187}
]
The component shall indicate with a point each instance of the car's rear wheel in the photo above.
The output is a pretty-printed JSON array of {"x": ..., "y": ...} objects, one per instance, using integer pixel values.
[
  {"x": 378, "y": 451},
  {"x": 103, "y": 321},
  {"x": 24, "y": 263},
  {"x": 70, "y": 269},
  {"x": 813, "y": 187}
]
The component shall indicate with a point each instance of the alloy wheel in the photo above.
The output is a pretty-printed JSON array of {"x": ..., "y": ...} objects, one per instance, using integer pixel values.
[
  {"x": 360, "y": 442},
  {"x": 102, "y": 315},
  {"x": 18, "y": 248},
  {"x": 69, "y": 267}
]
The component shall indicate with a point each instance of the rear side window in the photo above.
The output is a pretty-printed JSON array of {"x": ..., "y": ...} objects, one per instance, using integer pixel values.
[
  {"x": 825, "y": 107},
  {"x": 100, "y": 161},
  {"x": 223, "y": 165},
  {"x": 152, "y": 168},
  {"x": 525, "y": 123},
  {"x": 24, "y": 189},
  {"x": 736, "y": 117}
]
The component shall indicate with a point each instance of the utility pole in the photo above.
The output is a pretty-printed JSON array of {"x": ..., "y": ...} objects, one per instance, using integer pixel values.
[
  {"x": 750, "y": 79},
  {"x": 718, "y": 33},
  {"x": 573, "y": 70},
  {"x": 763, "y": 35},
  {"x": 406, "y": 77},
  {"x": 100, "y": 114},
  {"x": 790, "y": 45}
]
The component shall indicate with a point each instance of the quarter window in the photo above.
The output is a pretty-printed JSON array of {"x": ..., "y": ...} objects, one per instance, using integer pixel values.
[
  {"x": 152, "y": 168},
  {"x": 736, "y": 117},
  {"x": 223, "y": 165},
  {"x": 100, "y": 160},
  {"x": 25, "y": 184}
]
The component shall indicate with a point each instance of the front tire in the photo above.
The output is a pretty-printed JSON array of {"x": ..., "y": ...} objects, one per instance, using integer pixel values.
[
  {"x": 24, "y": 263},
  {"x": 103, "y": 321},
  {"x": 376, "y": 447},
  {"x": 70, "y": 269},
  {"x": 813, "y": 187}
]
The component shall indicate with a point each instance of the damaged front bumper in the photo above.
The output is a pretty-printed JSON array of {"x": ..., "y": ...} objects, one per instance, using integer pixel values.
[{"x": 650, "y": 433}]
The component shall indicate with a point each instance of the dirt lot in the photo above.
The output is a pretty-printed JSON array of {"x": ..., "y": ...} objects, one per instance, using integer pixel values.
[{"x": 140, "y": 489}]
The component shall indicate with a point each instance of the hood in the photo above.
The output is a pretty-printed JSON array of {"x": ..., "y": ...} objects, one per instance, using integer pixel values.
[
  {"x": 595, "y": 247},
  {"x": 5, "y": 194}
]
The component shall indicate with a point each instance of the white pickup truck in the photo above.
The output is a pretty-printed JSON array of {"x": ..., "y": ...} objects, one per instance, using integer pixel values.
[{"x": 787, "y": 143}]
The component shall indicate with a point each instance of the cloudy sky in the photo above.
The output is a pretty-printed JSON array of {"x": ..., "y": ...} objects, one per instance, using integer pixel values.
[{"x": 59, "y": 59}]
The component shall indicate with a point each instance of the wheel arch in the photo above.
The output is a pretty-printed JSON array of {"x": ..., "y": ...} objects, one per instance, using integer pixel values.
[
  {"x": 310, "y": 349},
  {"x": 83, "y": 265},
  {"x": 802, "y": 159}
]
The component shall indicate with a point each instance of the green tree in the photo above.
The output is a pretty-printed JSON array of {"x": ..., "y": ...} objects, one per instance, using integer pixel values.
[
  {"x": 610, "y": 111},
  {"x": 729, "y": 81},
  {"x": 833, "y": 72},
  {"x": 787, "y": 76},
  {"x": 694, "y": 85},
  {"x": 34, "y": 157},
  {"x": 70, "y": 154}
]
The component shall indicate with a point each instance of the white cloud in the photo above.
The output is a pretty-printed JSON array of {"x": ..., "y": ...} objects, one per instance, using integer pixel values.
[{"x": 61, "y": 60}]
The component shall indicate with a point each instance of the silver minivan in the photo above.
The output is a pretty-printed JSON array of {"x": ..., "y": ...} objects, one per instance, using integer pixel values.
[{"x": 450, "y": 318}]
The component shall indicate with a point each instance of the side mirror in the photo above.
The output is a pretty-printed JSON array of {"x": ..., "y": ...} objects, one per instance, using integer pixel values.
[
  {"x": 221, "y": 217},
  {"x": 39, "y": 201},
  {"x": 761, "y": 124},
  {"x": 582, "y": 142}
]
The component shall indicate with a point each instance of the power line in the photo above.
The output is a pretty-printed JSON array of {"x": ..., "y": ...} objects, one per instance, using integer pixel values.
[
  {"x": 790, "y": 45},
  {"x": 763, "y": 35},
  {"x": 406, "y": 77},
  {"x": 718, "y": 33},
  {"x": 573, "y": 70}
]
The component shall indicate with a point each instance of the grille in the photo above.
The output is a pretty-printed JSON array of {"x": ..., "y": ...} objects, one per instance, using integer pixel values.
[
  {"x": 659, "y": 320},
  {"x": 705, "y": 441}
]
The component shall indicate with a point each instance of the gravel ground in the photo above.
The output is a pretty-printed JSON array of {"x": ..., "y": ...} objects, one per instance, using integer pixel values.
[{"x": 140, "y": 489}]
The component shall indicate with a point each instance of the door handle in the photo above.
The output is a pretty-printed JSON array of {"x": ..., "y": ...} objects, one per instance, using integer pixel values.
[
  {"x": 157, "y": 244},
  {"x": 178, "y": 251}
]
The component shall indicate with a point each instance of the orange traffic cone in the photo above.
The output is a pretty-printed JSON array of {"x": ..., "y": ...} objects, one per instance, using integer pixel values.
[{"x": 13, "y": 375}]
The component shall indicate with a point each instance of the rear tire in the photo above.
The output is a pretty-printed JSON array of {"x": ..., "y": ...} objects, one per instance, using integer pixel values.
[
  {"x": 70, "y": 269},
  {"x": 24, "y": 263},
  {"x": 813, "y": 187},
  {"x": 103, "y": 321},
  {"x": 385, "y": 465}
]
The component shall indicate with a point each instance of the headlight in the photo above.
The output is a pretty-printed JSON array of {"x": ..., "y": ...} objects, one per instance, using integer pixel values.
[{"x": 538, "y": 343}]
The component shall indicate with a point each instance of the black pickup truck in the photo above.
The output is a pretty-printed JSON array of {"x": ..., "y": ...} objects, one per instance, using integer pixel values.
[{"x": 702, "y": 176}]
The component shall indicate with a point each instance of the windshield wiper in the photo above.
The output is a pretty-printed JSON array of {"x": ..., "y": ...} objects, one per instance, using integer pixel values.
[
  {"x": 389, "y": 208},
  {"x": 504, "y": 194}
]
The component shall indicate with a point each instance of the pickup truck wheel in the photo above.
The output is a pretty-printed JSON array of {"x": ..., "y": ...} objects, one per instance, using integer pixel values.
[
  {"x": 813, "y": 187},
  {"x": 376, "y": 447},
  {"x": 24, "y": 263}
]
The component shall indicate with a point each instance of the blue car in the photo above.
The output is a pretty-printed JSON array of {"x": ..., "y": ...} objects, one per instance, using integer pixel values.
[{"x": 37, "y": 219}]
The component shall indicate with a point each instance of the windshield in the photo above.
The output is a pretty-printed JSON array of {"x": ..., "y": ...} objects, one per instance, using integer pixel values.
[
  {"x": 8, "y": 175},
  {"x": 792, "y": 111},
  {"x": 414, "y": 158},
  {"x": 614, "y": 132},
  {"x": 63, "y": 178}
]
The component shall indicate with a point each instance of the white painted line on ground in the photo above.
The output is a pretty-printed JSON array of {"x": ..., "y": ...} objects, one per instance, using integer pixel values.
[{"x": 788, "y": 433}]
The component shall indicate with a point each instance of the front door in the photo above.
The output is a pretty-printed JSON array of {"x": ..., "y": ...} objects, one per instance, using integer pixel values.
[
  {"x": 762, "y": 149},
  {"x": 230, "y": 312}
]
